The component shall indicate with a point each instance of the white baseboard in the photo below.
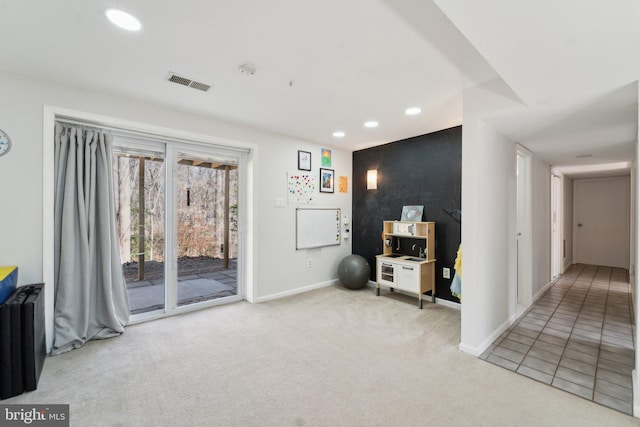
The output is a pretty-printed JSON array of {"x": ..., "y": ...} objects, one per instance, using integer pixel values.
[
  {"x": 297, "y": 291},
  {"x": 448, "y": 303},
  {"x": 478, "y": 350},
  {"x": 469, "y": 349},
  {"x": 636, "y": 397},
  {"x": 370, "y": 284},
  {"x": 538, "y": 294}
]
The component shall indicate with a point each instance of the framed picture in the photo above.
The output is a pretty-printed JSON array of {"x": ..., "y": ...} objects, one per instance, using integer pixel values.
[
  {"x": 304, "y": 160},
  {"x": 326, "y": 180},
  {"x": 411, "y": 213}
]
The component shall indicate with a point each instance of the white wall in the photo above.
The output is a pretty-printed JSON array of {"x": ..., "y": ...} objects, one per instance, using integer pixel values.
[
  {"x": 277, "y": 268},
  {"x": 488, "y": 235},
  {"x": 283, "y": 268},
  {"x": 541, "y": 224},
  {"x": 488, "y": 220}
]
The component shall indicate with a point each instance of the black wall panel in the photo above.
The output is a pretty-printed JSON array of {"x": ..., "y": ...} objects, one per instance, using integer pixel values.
[{"x": 424, "y": 170}]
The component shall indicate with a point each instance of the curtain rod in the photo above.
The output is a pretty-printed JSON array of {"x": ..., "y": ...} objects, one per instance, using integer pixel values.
[{"x": 127, "y": 132}]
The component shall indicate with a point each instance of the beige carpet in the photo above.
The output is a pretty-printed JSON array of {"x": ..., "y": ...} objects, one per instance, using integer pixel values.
[{"x": 329, "y": 357}]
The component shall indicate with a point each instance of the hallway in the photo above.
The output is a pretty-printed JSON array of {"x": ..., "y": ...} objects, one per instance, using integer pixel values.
[{"x": 577, "y": 337}]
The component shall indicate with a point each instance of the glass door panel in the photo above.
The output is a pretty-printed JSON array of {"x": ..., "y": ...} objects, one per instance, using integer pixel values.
[
  {"x": 207, "y": 228},
  {"x": 139, "y": 186}
]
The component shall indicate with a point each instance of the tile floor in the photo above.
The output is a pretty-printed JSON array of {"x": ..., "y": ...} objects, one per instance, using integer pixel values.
[{"x": 577, "y": 337}]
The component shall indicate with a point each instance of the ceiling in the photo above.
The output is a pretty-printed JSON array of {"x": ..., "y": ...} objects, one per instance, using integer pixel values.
[{"x": 332, "y": 65}]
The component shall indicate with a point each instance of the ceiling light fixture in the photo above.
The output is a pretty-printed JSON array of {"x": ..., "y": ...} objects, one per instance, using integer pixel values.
[
  {"x": 339, "y": 134},
  {"x": 583, "y": 156},
  {"x": 371, "y": 124},
  {"x": 123, "y": 19},
  {"x": 413, "y": 111},
  {"x": 247, "y": 69}
]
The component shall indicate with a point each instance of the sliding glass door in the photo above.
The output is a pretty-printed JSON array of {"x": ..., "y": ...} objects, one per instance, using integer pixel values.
[
  {"x": 178, "y": 225},
  {"x": 207, "y": 227},
  {"x": 139, "y": 184}
]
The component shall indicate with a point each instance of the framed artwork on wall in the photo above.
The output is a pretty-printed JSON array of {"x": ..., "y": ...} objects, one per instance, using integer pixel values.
[
  {"x": 411, "y": 213},
  {"x": 304, "y": 160},
  {"x": 325, "y": 158},
  {"x": 326, "y": 180}
]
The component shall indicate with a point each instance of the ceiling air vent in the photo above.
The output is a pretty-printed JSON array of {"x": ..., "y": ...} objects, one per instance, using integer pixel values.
[{"x": 188, "y": 82}]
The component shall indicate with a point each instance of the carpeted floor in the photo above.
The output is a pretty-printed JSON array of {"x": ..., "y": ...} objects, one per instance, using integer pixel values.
[{"x": 329, "y": 357}]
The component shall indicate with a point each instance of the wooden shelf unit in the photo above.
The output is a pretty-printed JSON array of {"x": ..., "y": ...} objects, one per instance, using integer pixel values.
[
  {"x": 425, "y": 231},
  {"x": 407, "y": 271}
]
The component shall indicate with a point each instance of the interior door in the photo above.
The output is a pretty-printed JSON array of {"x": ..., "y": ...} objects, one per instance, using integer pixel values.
[
  {"x": 601, "y": 221},
  {"x": 524, "y": 226}
]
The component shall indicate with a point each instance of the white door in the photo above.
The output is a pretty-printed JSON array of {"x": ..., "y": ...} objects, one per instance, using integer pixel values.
[
  {"x": 556, "y": 226},
  {"x": 523, "y": 236},
  {"x": 601, "y": 221}
]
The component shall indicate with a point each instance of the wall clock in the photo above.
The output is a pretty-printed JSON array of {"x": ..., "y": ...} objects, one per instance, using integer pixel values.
[{"x": 5, "y": 143}]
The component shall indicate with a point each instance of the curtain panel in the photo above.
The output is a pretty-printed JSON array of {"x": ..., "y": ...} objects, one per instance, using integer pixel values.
[{"x": 90, "y": 299}]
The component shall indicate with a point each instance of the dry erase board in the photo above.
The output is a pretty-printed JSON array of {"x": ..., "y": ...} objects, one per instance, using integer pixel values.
[{"x": 317, "y": 227}]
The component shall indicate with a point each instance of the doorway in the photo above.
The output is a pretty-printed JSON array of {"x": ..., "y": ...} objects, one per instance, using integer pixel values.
[
  {"x": 601, "y": 221},
  {"x": 177, "y": 219},
  {"x": 524, "y": 229},
  {"x": 557, "y": 215},
  {"x": 207, "y": 227}
]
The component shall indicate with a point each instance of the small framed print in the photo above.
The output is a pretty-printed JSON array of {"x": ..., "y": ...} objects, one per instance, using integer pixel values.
[
  {"x": 326, "y": 180},
  {"x": 304, "y": 160}
]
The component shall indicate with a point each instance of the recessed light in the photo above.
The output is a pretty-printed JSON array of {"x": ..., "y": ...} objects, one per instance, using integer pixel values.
[
  {"x": 371, "y": 124},
  {"x": 123, "y": 19},
  {"x": 413, "y": 111},
  {"x": 247, "y": 69},
  {"x": 339, "y": 134}
]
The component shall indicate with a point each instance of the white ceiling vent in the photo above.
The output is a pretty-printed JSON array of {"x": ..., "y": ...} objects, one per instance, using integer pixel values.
[{"x": 188, "y": 82}]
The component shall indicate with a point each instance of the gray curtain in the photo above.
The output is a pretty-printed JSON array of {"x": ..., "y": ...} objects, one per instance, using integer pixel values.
[{"x": 90, "y": 294}]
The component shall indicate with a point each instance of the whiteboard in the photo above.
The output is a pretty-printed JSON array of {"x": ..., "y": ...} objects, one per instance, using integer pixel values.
[{"x": 317, "y": 227}]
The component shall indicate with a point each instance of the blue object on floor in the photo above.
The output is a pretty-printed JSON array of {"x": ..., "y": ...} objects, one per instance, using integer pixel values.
[{"x": 8, "y": 282}]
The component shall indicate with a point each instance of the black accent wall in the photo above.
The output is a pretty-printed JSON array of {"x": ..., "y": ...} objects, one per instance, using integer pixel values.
[{"x": 423, "y": 170}]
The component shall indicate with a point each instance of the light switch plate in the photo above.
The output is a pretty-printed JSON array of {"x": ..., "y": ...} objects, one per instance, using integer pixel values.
[{"x": 446, "y": 273}]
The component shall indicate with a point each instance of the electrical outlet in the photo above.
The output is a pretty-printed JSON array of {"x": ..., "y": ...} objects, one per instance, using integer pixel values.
[
  {"x": 309, "y": 262},
  {"x": 446, "y": 273}
]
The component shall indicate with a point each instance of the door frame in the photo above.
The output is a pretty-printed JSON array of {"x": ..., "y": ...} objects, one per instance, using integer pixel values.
[
  {"x": 194, "y": 140},
  {"x": 557, "y": 224},
  {"x": 576, "y": 222},
  {"x": 524, "y": 226},
  {"x": 173, "y": 151}
]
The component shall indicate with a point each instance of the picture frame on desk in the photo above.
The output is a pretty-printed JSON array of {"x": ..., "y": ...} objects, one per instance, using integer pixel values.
[
  {"x": 304, "y": 160},
  {"x": 327, "y": 180}
]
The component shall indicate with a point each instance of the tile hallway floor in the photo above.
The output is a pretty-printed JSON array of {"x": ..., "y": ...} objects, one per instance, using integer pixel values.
[{"x": 577, "y": 337}]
